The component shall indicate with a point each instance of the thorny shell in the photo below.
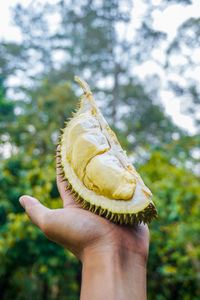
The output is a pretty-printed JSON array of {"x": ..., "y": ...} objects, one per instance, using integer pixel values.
[{"x": 97, "y": 168}]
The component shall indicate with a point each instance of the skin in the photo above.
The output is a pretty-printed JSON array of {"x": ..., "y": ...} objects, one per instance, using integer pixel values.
[{"x": 113, "y": 256}]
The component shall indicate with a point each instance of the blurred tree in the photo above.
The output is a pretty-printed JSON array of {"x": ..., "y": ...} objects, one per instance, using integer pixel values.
[
  {"x": 6, "y": 117},
  {"x": 34, "y": 133},
  {"x": 90, "y": 44},
  {"x": 31, "y": 266},
  {"x": 96, "y": 40},
  {"x": 12, "y": 56},
  {"x": 174, "y": 253},
  {"x": 173, "y": 269},
  {"x": 186, "y": 84},
  {"x": 37, "y": 128},
  {"x": 143, "y": 122},
  {"x": 10, "y": 64}
]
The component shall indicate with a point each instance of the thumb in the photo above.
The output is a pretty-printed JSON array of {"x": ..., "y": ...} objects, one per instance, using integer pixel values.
[{"x": 35, "y": 210}]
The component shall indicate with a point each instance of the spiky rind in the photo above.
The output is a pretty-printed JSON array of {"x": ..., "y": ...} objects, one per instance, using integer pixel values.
[{"x": 146, "y": 215}]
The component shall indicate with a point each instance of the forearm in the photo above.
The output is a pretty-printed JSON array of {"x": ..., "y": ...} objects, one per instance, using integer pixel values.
[{"x": 113, "y": 275}]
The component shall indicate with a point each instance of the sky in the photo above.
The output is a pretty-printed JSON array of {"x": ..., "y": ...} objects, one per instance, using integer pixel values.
[{"x": 175, "y": 13}]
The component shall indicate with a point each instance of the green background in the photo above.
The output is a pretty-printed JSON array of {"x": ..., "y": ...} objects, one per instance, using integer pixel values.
[{"x": 88, "y": 44}]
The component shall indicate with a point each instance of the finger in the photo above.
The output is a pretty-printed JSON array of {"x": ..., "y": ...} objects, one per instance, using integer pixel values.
[
  {"x": 35, "y": 210},
  {"x": 65, "y": 195}
]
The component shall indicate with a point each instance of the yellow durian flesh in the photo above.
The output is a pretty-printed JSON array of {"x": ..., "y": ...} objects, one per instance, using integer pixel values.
[
  {"x": 85, "y": 148},
  {"x": 107, "y": 177},
  {"x": 98, "y": 170},
  {"x": 93, "y": 162}
]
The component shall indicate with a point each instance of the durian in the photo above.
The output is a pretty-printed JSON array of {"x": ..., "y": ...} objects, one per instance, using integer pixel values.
[{"x": 97, "y": 169}]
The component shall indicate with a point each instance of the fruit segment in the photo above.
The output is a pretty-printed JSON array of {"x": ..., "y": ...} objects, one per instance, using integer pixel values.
[
  {"x": 106, "y": 176},
  {"x": 97, "y": 169}
]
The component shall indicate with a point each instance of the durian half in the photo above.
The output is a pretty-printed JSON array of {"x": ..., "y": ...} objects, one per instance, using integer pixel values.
[{"x": 97, "y": 168}]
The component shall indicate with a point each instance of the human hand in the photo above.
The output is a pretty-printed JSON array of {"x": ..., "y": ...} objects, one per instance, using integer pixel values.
[
  {"x": 93, "y": 239},
  {"x": 77, "y": 229}
]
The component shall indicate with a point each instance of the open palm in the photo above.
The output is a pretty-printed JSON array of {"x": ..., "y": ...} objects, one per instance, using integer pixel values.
[{"x": 77, "y": 229}]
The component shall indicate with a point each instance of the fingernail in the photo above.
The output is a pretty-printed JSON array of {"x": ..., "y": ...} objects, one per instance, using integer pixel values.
[
  {"x": 21, "y": 200},
  {"x": 27, "y": 199},
  {"x": 24, "y": 198}
]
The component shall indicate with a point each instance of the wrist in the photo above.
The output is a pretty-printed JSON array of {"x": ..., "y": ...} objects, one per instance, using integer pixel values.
[
  {"x": 120, "y": 256},
  {"x": 116, "y": 273}
]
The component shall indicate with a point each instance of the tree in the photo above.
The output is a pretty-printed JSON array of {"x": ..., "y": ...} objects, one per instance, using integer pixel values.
[
  {"x": 90, "y": 45},
  {"x": 38, "y": 127},
  {"x": 186, "y": 86},
  {"x": 31, "y": 266},
  {"x": 173, "y": 270},
  {"x": 90, "y": 39},
  {"x": 6, "y": 117}
]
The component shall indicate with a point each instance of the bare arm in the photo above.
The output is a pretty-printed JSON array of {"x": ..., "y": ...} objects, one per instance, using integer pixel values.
[
  {"x": 113, "y": 275},
  {"x": 113, "y": 256}
]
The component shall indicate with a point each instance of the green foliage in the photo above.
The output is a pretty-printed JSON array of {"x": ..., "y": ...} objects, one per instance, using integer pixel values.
[
  {"x": 30, "y": 264},
  {"x": 168, "y": 159},
  {"x": 6, "y": 114},
  {"x": 174, "y": 269},
  {"x": 38, "y": 127},
  {"x": 186, "y": 43},
  {"x": 145, "y": 118}
]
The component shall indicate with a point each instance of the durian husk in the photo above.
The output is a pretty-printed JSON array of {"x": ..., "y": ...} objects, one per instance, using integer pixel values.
[{"x": 140, "y": 208}]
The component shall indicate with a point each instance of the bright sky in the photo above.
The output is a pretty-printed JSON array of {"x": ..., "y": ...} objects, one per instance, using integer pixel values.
[{"x": 175, "y": 13}]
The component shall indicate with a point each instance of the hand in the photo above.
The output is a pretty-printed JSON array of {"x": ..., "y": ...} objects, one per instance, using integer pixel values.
[
  {"x": 77, "y": 229},
  {"x": 90, "y": 237}
]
